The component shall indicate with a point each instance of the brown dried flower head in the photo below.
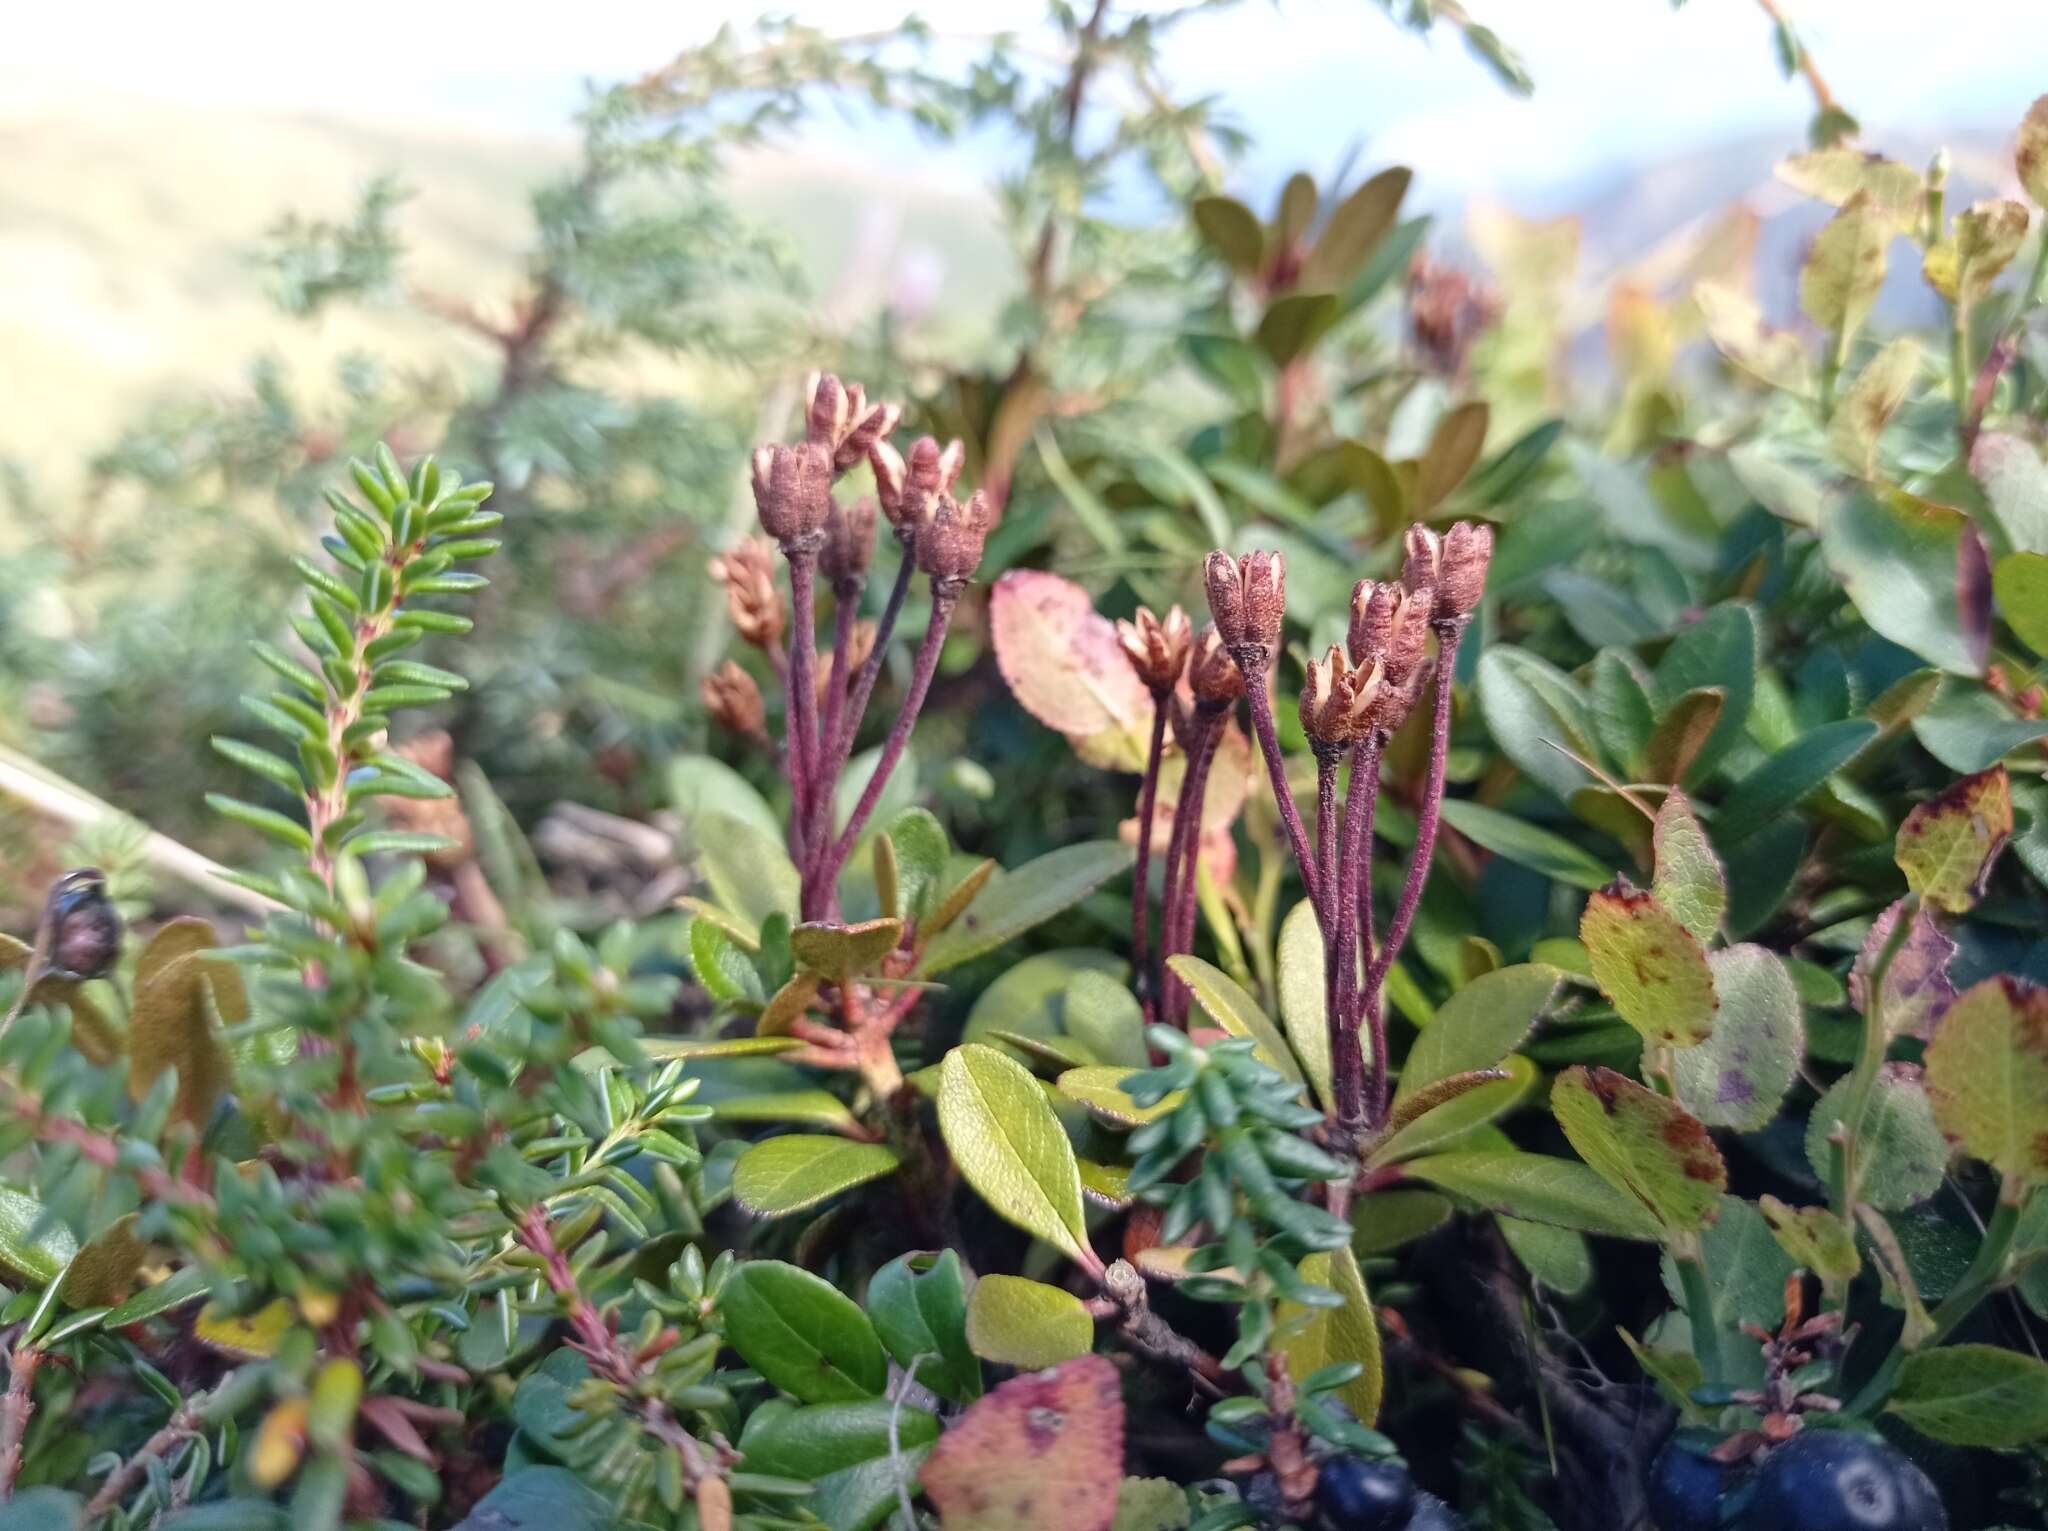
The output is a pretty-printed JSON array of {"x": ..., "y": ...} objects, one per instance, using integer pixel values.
[
  {"x": 747, "y": 570},
  {"x": 1213, "y": 675},
  {"x": 849, "y": 546},
  {"x": 1338, "y": 703},
  {"x": 909, "y": 487},
  {"x": 1157, "y": 650},
  {"x": 793, "y": 491},
  {"x": 1389, "y": 626},
  {"x": 734, "y": 701},
  {"x": 950, "y": 538},
  {"x": 841, "y": 420},
  {"x": 1468, "y": 549},
  {"x": 1422, "y": 564},
  {"x": 1248, "y": 598},
  {"x": 1447, "y": 312}
]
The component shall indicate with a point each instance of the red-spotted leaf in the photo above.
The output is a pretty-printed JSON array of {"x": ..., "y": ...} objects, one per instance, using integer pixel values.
[
  {"x": 1046, "y": 1449},
  {"x": 1643, "y": 1145},
  {"x": 1649, "y": 965},
  {"x": 1948, "y": 843}
]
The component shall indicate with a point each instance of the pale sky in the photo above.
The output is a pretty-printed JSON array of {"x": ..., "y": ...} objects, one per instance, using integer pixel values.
[{"x": 1618, "y": 81}]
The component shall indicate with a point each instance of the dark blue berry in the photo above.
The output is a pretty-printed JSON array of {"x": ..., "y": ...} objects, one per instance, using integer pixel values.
[
  {"x": 1832, "y": 1480},
  {"x": 1686, "y": 1484},
  {"x": 1357, "y": 1495}
]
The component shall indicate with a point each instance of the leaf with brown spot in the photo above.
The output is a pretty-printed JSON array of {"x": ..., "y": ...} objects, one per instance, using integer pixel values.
[
  {"x": 1863, "y": 411},
  {"x": 1651, "y": 968},
  {"x": 1046, "y": 1449},
  {"x": 1683, "y": 732},
  {"x": 1816, "y": 1240},
  {"x": 1688, "y": 879},
  {"x": 1987, "y": 1073},
  {"x": 1836, "y": 175},
  {"x": 1642, "y": 1144},
  {"x": 2030, "y": 157},
  {"x": 1917, "y": 988},
  {"x": 1844, "y": 268},
  {"x": 1947, "y": 844},
  {"x": 1980, "y": 244}
]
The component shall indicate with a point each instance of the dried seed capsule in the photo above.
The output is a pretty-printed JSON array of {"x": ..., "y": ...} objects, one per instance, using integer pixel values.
[
  {"x": 1328, "y": 700},
  {"x": 950, "y": 538},
  {"x": 747, "y": 570},
  {"x": 85, "y": 928},
  {"x": 1157, "y": 650},
  {"x": 842, "y": 421},
  {"x": 793, "y": 491},
  {"x": 1372, "y": 619},
  {"x": 1408, "y": 633},
  {"x": 1467, "y": 551},
  {"x": 849, "y": 546},
  {"x": 734, "y": 701},
  {"x": 1425, "y": 551},
  {"x": 1248, "y": 598},
  {"x": 1213, "y": 675}
]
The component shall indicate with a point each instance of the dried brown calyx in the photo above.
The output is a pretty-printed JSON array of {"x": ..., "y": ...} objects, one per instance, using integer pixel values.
[
  {"x": 1390, "y": 627},
  {"x": 1248, "y": 598},
  {"x": 1453, "y": 565},
  {"x": 793, "y": 492},
  {"x": 1157, "y": 650},
  {"x": 849, "y": 546},
  {"x": 1213, "y": 675},
  {"x": 909, "y": 487},
  {"x": 734, "y": 701},
  {"x": 747, "y": 570},
  {"x": 1338, "y": 703},
  {"x": 841, "y": 420},
  {"x": 951, "y": 536}
]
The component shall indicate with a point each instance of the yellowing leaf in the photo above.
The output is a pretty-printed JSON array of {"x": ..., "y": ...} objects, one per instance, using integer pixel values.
[
  {"x": 1869, "y": 402},
  {"x": 1816, "y": 1240},
  {"x": 1688, "y": 880},
  {"x": 838, "y": 951},
  {"x": 247, "y": 1337},
  {"x": 788, "y": 1174},
  {"x": 1026, "y": 1324},
  {"x": 181, "y": 1000},
  {"x": 1642, "y": 1144},
  {"x": 1947, "y": 844},
  {"x": 1007, "y": 1142},
  {"x": 1844, "y": 269},
  {"x": 1987, "y": 1074},
  {"x": 1045, "y": 1449},
  {"x": 1062, "y": 662},
  {"x": 1312, "y": 1338},
  {"x": 1981, "y": 244},
  {"x": 1226, "y": 1003},
  {"x": 1649, "y": 965},
  {"x": 1835, "y": 175},
  {"x": 1736, "y": 326}
]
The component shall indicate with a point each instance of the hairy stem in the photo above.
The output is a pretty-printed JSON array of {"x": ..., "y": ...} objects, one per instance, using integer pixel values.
[
  {"x": 1429, "y": 812},
  {"x": 1185, "y": 903},
  {"x": 1180, "y": 852},
  {"x": 15, "y": 1408},
  {"x": 1341, "y": 1012},
  {"x": 1276, "y": 770},
  {"x": 871, "y": 668},
  {"x": 846, "y": 599},
  {"x": 1141, "y": 893},
  {"x": 803, "y": 692},
  {"x": 926, "y": 665}
]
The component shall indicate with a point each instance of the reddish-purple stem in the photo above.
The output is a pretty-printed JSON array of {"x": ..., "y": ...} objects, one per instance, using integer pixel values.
[
  {"x": 1181, "y": 849},
  {"x": 923, "y": 668},
  {"x": 871, "y": 669},
  {"x": 1276, "y": 769},
  {"x": 802, "y": 693},
  {"x": 1431, "y": 808},
  {"x": 1141, "y": 894},
  {"x": 819, "y": 826},
  {"x": 1347, "y": 1066},
  {"x": 1191, "y": 864}
]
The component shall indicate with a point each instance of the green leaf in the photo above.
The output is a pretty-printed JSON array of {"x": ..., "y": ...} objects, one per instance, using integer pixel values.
[
  {"x": 1225, "y": 1002},
  {"x": 1014, "y": 902},
  {"x": 1294, "y": 322},
  {"x": 1299, "y": 962},
  {"x": 1974, "y": 1395},
  {"x": 1739, "y": 1075},
  {"x": 1026, "y": 1324},
  {"x": 923, "y": 1312},
  {"x": 1844, "y": 268},
  {"x": 1897, "y": 555},
  {"x": 2019, "y": 583},
  {"x": 1529, "y": 705},
  {"x": 1313, "y": 1338},
  {"x": 1641, "y": 1144},
  {"x": 1782, "y": 780},
  {"x": 271, "y": 767},
  {"x": 922, "y": 851},
  {"x": 174, "y": 1024},
  {"x": 1233, "y": 231},
  {"x": 1901, "y": 1155},
  {"x": 1649, "y": 965},
  {"x": 1946, "y": 845},
  {"x": 748, "y": 870},
  {"x": 1525, "y": 844},
  {"x": 788, "y": 1174},
  {"x": 699, "y": 785},
  {"x": 540, "y": 1499},
  {"x": 1537, "y": 1187},
  {"x": 264, "y": 821},
  {"x": 802, "y": 1333},
  {"x": 1719, "y": 650},
  {"x": 1688, "y": 880},
  {"x": 1099, "y": 1088},
  {"x": 897, "y": 793},
  {"x": 1102, "y": 1015},
  {"x": 1150, "y": 1504},
  {"x": 839, "y": 952},
  {"x": 1479, "y": 1025},
  {"x": 722, "y": 965},
  {"x": 1987, "y": 1074},
  {"x": 822, "y": 1438},
  {"x": 1746, "y": 1271},
  {"x": 1557, "y": 1257},
  {"x": 1354, "y": 228},
  {"x": 1005, "y": 1139},
  {"x": 1440, "y": 1127},
  {"x": 1677, "y": 742},
  {"x": 35, "y": 1247},
  {"x": 1386, "y": 1220}
]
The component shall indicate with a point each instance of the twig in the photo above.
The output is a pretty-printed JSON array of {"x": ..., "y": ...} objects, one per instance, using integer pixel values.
[
  {"x": 15, "y": 1409},
  {"x": 1141, "y": 892},
  {"x": 182, "y": 1426}
]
